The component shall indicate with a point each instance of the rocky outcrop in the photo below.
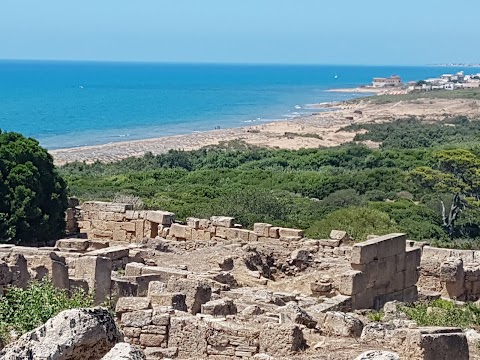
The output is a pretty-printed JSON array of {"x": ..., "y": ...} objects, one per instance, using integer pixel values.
[
  {"x": 79, "y": 334},
  {"x": 124, "y": 351}
]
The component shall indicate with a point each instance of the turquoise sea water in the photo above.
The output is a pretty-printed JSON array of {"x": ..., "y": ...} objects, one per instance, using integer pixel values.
[{"x": 68, "y": 104}]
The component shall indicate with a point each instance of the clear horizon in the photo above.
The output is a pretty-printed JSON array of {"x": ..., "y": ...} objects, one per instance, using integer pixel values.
[{"x": 306, "y": 32}]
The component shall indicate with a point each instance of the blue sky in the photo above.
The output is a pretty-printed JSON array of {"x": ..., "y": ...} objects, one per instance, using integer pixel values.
[{"x": 242, "y": 31}]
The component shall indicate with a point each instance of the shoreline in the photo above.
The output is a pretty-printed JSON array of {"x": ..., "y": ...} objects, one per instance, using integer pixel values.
[{"x": 321, "y": 129}]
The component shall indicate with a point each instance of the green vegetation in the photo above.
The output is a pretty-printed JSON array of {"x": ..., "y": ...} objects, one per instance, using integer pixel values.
[
  {"x": 419, "y": 182},
  {"x": 22, "y": 310},
  {"x": 32, "y": 194},
  {"x": 473, "y": 94},
  {"x": 444, "y": 313}
]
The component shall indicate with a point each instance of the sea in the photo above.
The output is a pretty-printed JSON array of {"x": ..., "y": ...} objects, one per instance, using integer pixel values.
[{"x": 68, "y": 104}]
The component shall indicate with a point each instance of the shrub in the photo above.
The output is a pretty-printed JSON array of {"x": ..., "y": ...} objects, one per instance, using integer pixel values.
[
  {"x": 32, "y": 195},
  {"x": 358, "y": 222},
  {"x": 444, "y": 313},
  {"x": 22, "y": 310}
]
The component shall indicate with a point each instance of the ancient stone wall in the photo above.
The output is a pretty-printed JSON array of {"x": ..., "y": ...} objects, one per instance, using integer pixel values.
[
  {"x": 383, "y": 270},
  {"x": 159, "y": 327}
]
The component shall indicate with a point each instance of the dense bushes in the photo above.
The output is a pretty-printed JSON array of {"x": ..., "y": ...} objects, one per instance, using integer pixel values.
[
  {"x": 32, "y": 195},
  {"x": 307, "y": 188}
]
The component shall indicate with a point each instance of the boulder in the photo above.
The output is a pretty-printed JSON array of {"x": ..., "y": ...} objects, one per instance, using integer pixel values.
[
  {"x": 297, "y": 315},
  {"x": 341, "y": 324},
  {"x": 79, "y": 334},
  {"x": 124, "y": 351},
  {"x": 378, "y": 355}
]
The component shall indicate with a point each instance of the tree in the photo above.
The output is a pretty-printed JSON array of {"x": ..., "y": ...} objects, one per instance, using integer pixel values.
[
  {"x": 33, "y": 196},
  {"x": 358, "y": 222},
  {"x": 457, "y": 173}
]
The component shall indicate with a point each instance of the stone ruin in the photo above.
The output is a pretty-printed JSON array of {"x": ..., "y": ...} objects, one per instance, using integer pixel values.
[{"x": 208, "y": 288}]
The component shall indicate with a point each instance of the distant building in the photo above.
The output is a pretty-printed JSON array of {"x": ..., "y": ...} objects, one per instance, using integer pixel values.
[{"x": 392, "y": 81}]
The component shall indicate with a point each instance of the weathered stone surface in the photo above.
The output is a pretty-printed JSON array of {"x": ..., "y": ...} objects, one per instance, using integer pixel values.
[
  {"x": 339, "y": 235},
  {"x": 160, "y": 217},
  {"x": 80, "y": 334},
  {"x": 125, "y": 304},
  {"x": 378, "y": 355},
  {"x": 73, "y": 244},
  {"x": 124, "y": 351},
  {"x": 188, "y": 334},
  {"x": 197, "y": 292},
  {"x": 222, "y": 221},
  {"x": 281, "y": 340},
  {"x": 138, "y": 318},
  {"x": 221, "y": 307},
  {"x": 97, "y": 272},
  {"x": 297, "y": 315},
  {"x": 341, "y": 324}
]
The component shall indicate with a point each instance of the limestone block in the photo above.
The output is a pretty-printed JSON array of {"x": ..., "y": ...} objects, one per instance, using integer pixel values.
[
  {"x": 391, "y": 245},
  {"x": 339, "y": 235},
  {"x": 85, "y": 225},
  {"x": 118, "y": 207},
  {"x": 436, "y": 343},
  {"x": 121, "y": 288},
  {"x": 364, "y": 253},
  {"x": 387, "y": 267},
  {"x": 132, "y": 332},
  {"x": 152, "y": 340},
  {"x": 252, "y": 236},
  {"x": 161, "y": 353},
  {"x": 96, "y": 271},
  {"x": 160, "y": 319},
  {"x": 363, "y": 299},
  {"x": 411, "y": 277},
  {"x": 128, "y": 304},
  {"x": 139, "y": 229},
  {"x": 134, "y": 269},
  {"x": 165, "y": 273},
  {"x": 73, "y": 244},
  {"x": 18, "y": 267},
  {"x": 175, "y": 300},
  {"x": 274, "y": 232},
  {"x": 329, "y": 242},
  {"x": 396, "y": 283},
  {"x": 222, "y": 221},
  {"x": 182, "y": 232},
  {"x": 400, "y": 262},
  {"x": 194, "y": 223},
  {"x": 262, "y": 229},
  {"x": 221, "y": 307},
  {"x": 337, "y": 323},
  {"x": 156, "y": 287},
  {"x": 451, "y": 270},
  {"x": 286, "y": 232},
  {"x": 351, "y": 282},
  {"x": 160, "y": 217},
  {"x": 281, "y": 340},
  {"x": 295, "y": 314},
  {"x": 188, "y": 334},
  {"x": 113, "y": 253},
  {"x": 221, "y": 232},
  {"x": 372, "y": 273},
  {"x": 197, "y": 292},
  {"x": 119, "y": 235},
  {"x": 438, "y": 254},
  {"x": 137, "y": 319}
]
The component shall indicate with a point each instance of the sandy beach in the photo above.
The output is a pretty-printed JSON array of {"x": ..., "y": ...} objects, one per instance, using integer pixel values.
[{"x": 318, "y": 130}]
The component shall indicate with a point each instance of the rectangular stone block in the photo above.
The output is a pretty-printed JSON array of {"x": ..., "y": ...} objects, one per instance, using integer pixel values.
[
  {"x": 364, "y": 253},
  {"x": 371, "y": 273},
  {"x": 73, "y": 244},
  {"x": 286, "y": 232},
  {"x": 119, "y": 235},
  {"x": 429, "y": 252},
  {"x": 396, "y": 282},
  {"x": 274, "y": 232},
  {"x": 223, "y": 221},
  {"x": 113, "y": 252},
  {"x": 152, "y": 340},
  {"x": 411, "y": 277},
  {"x": 221, "y": 232},
  {"x": 413, "y": 257},
  {"x": 194, "y": 223},
  {"x": 262, "y": 229},
  {"x": 175, "y": 300},
  {"x": 351, "y": 282},
  {"x": 128, "y": 304},
  {"x": 252, "y": 236},
  {"x": 96, "y": 271},
  {"x": 181, "y": 232},
  {"x": 160, "y": 217},
  {"x": 391, "y": 245}
]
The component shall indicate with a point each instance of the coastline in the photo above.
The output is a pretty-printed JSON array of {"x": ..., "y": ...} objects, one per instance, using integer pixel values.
[{"x": 322, "y": 129}]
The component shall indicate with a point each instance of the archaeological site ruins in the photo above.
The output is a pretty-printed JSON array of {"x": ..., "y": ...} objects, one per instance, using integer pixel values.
[{"x": 211, "y": 289}]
